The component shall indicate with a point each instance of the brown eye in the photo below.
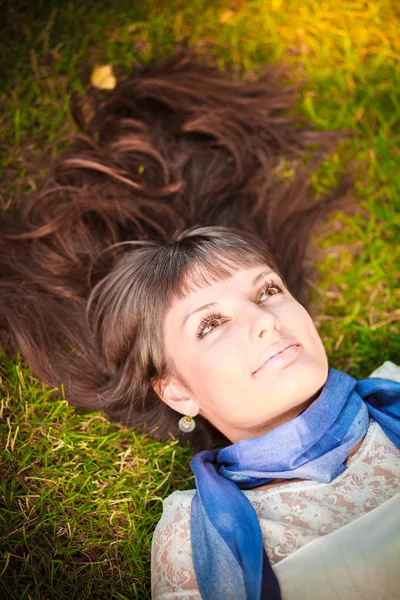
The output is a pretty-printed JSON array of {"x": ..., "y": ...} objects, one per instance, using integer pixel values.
[
  {"x": 270, "y": 289},
  {"x": 208, "y": 324}
]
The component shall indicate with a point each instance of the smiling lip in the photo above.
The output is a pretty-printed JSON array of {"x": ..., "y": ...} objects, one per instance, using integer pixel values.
[{"x": 276, "y": 349}]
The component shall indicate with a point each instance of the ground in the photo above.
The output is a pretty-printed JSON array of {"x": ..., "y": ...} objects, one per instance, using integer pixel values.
[{"x": 79, "y": 496}]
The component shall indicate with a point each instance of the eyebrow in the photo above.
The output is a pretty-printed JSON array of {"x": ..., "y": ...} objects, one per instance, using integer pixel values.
[{"x": 213, "y": 304}]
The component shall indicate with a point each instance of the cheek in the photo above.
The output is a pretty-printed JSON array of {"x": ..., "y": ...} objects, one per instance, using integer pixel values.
[
  {"x": 305, "y": 323},
  {"x": 215, "y": 367},
  {"x": 215, "y": 373},
  {"x": 312, "y": 332},
  {"x": 307, "y": 332},
  {"x": 319, "y": 351},
  {"x": 314, "y": 335}
]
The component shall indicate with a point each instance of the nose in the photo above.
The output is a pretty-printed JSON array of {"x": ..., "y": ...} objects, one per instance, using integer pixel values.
[{"x": 263, "y": 322}]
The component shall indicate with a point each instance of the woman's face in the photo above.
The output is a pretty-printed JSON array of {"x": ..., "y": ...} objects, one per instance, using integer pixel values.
[{"x": 221, "y": 344}]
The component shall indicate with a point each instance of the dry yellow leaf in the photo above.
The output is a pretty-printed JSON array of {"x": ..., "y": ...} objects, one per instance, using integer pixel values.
[
  {"x": 226, "y": 17},
  {"x": 103, "y": 78}
]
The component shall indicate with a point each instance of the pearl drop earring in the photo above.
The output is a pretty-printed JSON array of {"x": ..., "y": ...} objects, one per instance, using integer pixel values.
[{"x": 187, "y": 424}]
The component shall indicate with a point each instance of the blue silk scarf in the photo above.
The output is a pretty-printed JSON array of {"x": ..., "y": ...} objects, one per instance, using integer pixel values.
[{"x": 228, "y": 554}]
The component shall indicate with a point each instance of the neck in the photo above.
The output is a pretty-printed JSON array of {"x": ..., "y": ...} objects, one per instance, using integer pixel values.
[{"x": 285, "y": 417}]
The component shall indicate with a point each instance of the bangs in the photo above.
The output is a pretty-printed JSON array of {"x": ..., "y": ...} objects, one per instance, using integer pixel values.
[{"x": 211, "y": 268}]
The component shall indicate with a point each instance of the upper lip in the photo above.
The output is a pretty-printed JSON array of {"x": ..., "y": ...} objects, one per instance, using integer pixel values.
[{"x": 273, "y": 350}]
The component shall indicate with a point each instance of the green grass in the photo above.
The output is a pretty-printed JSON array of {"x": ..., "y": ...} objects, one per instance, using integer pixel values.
[{"x": 79, "y": 496}]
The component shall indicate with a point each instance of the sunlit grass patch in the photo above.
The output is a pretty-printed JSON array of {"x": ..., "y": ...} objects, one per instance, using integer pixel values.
[{"x": 80, "y": 496}]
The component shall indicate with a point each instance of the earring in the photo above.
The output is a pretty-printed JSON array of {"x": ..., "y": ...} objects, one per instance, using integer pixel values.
[{"x": 187, "y": 424}]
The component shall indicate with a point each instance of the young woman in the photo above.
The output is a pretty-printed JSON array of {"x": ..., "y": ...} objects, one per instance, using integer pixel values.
[
  {"x": 317, "y": 450},
  {"x": 136, "y": 276}
]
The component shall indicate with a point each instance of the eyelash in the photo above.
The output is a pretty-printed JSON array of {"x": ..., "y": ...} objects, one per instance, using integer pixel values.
[{"x": 216, "y": 316}]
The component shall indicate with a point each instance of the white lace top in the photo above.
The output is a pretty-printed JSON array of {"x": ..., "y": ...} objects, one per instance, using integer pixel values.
[{"x": 291, "y": 515}]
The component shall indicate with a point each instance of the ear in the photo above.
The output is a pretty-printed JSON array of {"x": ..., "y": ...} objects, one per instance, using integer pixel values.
[{"x": 176, "y": 396}]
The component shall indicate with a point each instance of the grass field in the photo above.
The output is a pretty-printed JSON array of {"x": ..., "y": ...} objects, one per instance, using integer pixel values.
[{"x": 80, "y": 497}]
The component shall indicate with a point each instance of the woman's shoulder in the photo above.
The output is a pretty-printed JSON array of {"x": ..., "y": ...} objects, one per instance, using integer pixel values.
[
  {"x": 176, "y": 513},
  {"x": 171, "y": 555},
  {"x": 388, "y": 370},
  {"x": 179, "y": 498}
]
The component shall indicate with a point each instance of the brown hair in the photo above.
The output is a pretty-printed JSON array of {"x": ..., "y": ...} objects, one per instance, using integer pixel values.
[{"x": 178, "y": 145}]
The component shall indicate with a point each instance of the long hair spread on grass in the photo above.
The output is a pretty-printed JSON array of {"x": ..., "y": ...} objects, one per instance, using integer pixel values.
[{"x": 90, "y": 260}]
